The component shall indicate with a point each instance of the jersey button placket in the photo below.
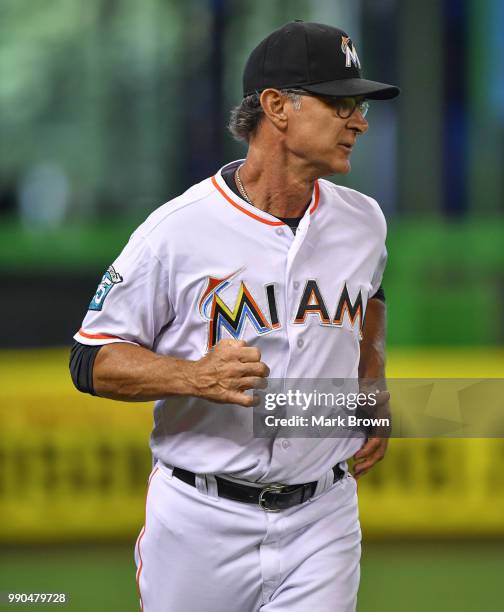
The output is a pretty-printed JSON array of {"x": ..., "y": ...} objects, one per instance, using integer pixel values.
[{"x": 290, "y": 290}]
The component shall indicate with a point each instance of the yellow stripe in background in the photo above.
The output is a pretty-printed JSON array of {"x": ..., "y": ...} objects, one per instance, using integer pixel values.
[{"x": 74, "y": 467}]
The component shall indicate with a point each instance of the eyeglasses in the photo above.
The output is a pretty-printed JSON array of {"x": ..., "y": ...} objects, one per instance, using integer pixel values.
[{"x": 344, "y": 107}]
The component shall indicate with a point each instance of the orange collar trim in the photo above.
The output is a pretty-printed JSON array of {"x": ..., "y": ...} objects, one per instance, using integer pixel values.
[
  {"x": 316, "y": 199},
  {"x": 257, "y": 217}
]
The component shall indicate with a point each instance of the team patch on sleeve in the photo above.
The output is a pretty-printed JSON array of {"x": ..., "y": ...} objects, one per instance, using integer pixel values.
[{"x": 109, "y": 279}]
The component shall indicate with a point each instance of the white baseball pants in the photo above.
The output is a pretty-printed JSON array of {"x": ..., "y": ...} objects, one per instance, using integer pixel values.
[{"x": 198, "y": 552}]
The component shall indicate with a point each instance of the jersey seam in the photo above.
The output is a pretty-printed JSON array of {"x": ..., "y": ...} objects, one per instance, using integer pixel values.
[
  {"x": 175, "y": 210},
  {"x": 154, "y": 255}
]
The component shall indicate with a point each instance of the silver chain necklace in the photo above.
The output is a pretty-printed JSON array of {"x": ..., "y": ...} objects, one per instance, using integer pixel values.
[{"x": 241, "y": 188}]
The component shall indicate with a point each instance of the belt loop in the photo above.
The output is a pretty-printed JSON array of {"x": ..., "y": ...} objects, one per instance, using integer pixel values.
[
  {"x": 167, "y": 469},
  {"x": 324, "y": 483},
  {"x": 201, "y": 484},
  {"x": 211, "y": 484}
]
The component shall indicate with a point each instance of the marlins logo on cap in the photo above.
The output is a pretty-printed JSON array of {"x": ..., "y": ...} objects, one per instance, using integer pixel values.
[{"x": 350, "y": 52}]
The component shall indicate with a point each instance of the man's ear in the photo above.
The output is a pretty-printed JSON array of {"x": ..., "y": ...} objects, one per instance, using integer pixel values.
[{"x": 273, "y": 103}]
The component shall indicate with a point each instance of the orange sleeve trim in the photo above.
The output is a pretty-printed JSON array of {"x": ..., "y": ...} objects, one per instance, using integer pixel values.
[
  {"x": 98, "y": 336},
  {"x": 257, "y": 217}
]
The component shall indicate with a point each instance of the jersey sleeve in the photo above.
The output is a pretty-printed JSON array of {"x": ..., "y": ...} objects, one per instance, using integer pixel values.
[
  {"x": 379, "y": 295},
  {"x": 376, "y": 280},
  {"x": 131, "y": 302}
]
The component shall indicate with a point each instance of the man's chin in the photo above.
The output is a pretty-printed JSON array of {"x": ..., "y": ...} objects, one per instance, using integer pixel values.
[
  {"x": 342, "y": 167},
  {"x": 337, "y": 167}
]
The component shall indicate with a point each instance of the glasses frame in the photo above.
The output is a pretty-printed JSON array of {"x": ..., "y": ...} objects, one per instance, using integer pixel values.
[{"x": 362, "y": 105}]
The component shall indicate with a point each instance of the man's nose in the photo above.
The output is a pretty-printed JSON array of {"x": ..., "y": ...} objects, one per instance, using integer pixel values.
[{"x": 357, "y": 122}]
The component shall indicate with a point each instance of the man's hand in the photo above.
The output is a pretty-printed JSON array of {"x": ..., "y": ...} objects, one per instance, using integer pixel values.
[
  {"x": 375, "y": 447},
  {"x": 372, "y": 452},
  {"x": 227, "y": 371}
]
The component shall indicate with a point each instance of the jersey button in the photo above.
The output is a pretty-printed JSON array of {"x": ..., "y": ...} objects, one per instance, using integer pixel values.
[
  {"x": 279, "y": 231},
  {"x": 296, "y": 285},
  {"x": 300, "y": 343},
  {"x": 285, "y": 444}
]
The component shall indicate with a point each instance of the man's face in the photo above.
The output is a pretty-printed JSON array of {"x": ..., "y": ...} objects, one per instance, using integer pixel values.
[{"x": 320, "y": 137}]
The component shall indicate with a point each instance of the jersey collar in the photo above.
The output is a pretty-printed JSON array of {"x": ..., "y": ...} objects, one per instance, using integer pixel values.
[{"x": 255, "y": 213}]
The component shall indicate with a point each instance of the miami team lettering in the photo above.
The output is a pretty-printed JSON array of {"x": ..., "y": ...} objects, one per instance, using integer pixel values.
[
  {"x": 312, "y": 303},
  {"x": 233, "y": 318}
]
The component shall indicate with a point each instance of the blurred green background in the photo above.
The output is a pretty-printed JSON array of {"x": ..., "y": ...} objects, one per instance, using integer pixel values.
[{"x": 109, "y": 108}]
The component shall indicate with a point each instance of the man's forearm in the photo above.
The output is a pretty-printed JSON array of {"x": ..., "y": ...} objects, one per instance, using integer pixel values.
[
  {"x": 132, "y": 373},
  {"x": 224, "y": 375},
  {"x": 372, "y": 366},
  {"x": 372, "y": 359}
]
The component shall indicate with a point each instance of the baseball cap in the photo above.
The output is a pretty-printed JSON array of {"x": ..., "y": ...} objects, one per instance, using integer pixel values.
[{"x": 312, "y": 56}]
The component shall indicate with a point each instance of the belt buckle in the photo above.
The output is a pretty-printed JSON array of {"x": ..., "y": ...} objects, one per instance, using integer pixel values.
[{"x": 271, "y": 488}]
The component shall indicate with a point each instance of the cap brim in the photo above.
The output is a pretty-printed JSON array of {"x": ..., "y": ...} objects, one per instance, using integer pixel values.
[{"x": 354, "y": 87}]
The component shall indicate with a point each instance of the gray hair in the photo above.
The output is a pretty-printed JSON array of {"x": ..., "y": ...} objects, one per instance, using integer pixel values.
[{"x": 245, "y": 117}]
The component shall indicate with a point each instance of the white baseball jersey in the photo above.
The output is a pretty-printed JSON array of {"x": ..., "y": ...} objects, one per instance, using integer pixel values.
[{"x": 208, "y": 266}]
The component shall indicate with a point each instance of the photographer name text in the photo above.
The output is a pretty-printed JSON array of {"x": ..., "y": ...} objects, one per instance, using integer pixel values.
[{"x": 350, "y": 420}]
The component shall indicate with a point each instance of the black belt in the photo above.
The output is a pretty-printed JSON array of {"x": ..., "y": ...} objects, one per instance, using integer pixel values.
[{"x": 272, "y": 497}]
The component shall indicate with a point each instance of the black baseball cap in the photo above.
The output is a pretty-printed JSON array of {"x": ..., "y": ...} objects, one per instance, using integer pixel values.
[{"x": 312, "y": 56}]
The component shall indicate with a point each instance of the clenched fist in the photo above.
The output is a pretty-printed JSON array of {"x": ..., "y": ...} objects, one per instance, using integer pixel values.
[{"x": 227, "y": 371}]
